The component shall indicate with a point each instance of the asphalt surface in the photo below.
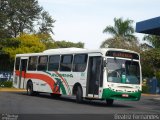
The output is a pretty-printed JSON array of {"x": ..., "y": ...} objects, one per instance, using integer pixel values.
[{"x": 21, "y": 103}]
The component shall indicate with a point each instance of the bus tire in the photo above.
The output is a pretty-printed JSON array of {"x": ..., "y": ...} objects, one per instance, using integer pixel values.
[
  {"x": 79, "y": 98},
  {"x": 30, "y": 91},
  {"x": 109, "y": 102}
]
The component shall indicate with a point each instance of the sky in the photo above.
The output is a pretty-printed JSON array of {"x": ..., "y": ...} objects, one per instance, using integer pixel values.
[{"x": 85, "y": 20}]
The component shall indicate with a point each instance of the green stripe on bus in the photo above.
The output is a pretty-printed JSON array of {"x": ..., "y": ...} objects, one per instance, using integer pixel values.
[
  {"x": 61, "y": 86},
  {"x": 62, "y": 78},
  {"x": 68, "y": 86}
]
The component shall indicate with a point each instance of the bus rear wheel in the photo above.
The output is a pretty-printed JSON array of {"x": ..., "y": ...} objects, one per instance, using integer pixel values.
[
  {"x": 79, "y": 98},
  {"x": 109, "y": 102},
  {"x": 30, "y": 91}
]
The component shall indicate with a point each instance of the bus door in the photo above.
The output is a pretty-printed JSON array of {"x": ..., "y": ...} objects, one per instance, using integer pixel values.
[
  {"x": 94, "y": 76},
  {"x": 23, "y": 66}
]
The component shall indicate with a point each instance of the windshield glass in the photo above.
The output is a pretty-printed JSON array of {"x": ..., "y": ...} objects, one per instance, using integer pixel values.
[{"x": 123, "y": 71}]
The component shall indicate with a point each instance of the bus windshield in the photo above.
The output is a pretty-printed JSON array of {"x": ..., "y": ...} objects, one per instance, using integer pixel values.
[{"x": 123, "y": 71}]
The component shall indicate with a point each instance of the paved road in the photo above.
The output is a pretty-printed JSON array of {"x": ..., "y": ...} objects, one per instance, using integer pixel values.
[{"x": 20, "y": 103}]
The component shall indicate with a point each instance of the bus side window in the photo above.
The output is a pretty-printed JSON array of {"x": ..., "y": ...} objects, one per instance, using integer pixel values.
[
  {"x": 66, "y": 62},
  {"x": 17, "y": 63},
  {"x": 42, "y": 63},
  {"x": 80, "y": 62},
  {"x": 32, "y": 65},
  {"x": 53, "y": 64}
]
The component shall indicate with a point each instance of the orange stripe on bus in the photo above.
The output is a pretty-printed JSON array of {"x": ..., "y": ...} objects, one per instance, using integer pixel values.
[{"x": 42, "y": 77}]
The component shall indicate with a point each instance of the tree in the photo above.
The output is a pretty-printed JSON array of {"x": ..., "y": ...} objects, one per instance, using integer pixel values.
[
  {"x": 66, "y": 44},
  {"x": 45, "y": 23},
  {"x": 47, "y": 40},
  {"x": 122, "y": 28},
  {"x": 120, "y": 43},
  {"x": 150, "y": 60},
  {"x": 153, "y": 40},
  {"x": 24, "y": 44},
  {"x": 3, "y": 19},
  {"x": 21, "y": 16},
  {"x": 151, "y": 56},
  {"x": 122, "y": 33}
]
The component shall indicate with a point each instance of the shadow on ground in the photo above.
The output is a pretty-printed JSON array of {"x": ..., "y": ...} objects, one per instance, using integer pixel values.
[{"x": 97, "y": 103}]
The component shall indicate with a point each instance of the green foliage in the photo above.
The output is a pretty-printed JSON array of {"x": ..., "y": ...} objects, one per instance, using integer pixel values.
[
  {"x": 150, "y": 61},
  {"x": 8, "y": 84},
  {"x": 122, "y": 28},
  {"x": 147, "y": 70},
  {"x": 65, "y": 44},
  {"x": 3, "y": 19},
  {"x": 158, "y": 77},
  {"x": 45, "y": 23},
  {"x": 119, "y": 42},
  {"x": 23, "y": 16},
  {"x": 47, "y": 40},
  {"x": 122, "y": 33},
  {"x": 21, "y": 20},
  {"x": 26, "y": 44},
  {"x": 153, "y": 39},
  {"x": 145, "y": 89},
  {"x": 152, "y": 57},
  {"x": 25, "y": 27},
  {"x": 6, "y": 64}
]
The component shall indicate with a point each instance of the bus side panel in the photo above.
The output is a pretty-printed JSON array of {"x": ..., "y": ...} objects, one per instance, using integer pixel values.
[{"x": 15, "y": 80}]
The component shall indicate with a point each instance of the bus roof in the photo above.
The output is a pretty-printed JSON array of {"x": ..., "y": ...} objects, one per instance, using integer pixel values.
[{"x": 74, "y": 51}]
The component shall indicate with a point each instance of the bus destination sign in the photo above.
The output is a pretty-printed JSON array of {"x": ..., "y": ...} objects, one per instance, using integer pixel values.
[{"x": 122, "y": 54}]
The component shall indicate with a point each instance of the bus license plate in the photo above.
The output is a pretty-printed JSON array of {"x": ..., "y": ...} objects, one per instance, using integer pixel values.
[{"x": 124, "y": 95}]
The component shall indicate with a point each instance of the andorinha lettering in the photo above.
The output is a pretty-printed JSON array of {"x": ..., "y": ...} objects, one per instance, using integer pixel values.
[{"x": 62, "y": 75}]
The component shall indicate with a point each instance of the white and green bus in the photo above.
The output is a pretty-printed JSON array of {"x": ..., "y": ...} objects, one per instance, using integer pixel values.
[{"x": 105, "y": 74}]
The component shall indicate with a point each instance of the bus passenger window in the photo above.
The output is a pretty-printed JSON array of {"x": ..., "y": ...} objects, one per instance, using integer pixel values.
[
  {"x": 80, "y": 62},
  {"x": 17, "y": 63},
  {"x": 66, "y": 63},
  {"x": 42, "y": 63},
  {"x": 53, "y": 64},
  {"x": 32, "y": 63}
]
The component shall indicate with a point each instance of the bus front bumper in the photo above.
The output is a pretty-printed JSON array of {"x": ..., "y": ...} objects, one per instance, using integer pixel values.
[{"x": 130, "y": 96}]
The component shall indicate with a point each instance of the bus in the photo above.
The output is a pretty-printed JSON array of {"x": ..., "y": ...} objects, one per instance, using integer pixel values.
[{"x": 104, "y": 74}]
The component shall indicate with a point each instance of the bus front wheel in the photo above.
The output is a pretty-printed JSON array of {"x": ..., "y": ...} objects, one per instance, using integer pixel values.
[
  {"x": 79, "y": 94},
  {"x": 109, "y": 102}
]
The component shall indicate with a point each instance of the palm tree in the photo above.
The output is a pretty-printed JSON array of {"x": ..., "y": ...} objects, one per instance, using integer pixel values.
[{"x": 122, "y": 30}]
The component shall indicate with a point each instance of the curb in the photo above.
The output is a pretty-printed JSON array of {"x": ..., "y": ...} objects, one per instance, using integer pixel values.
[
  {"x": 156, "y": 95},
  {"x": 12, "y": 90},
  {"x": 156, "y": 99}
]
